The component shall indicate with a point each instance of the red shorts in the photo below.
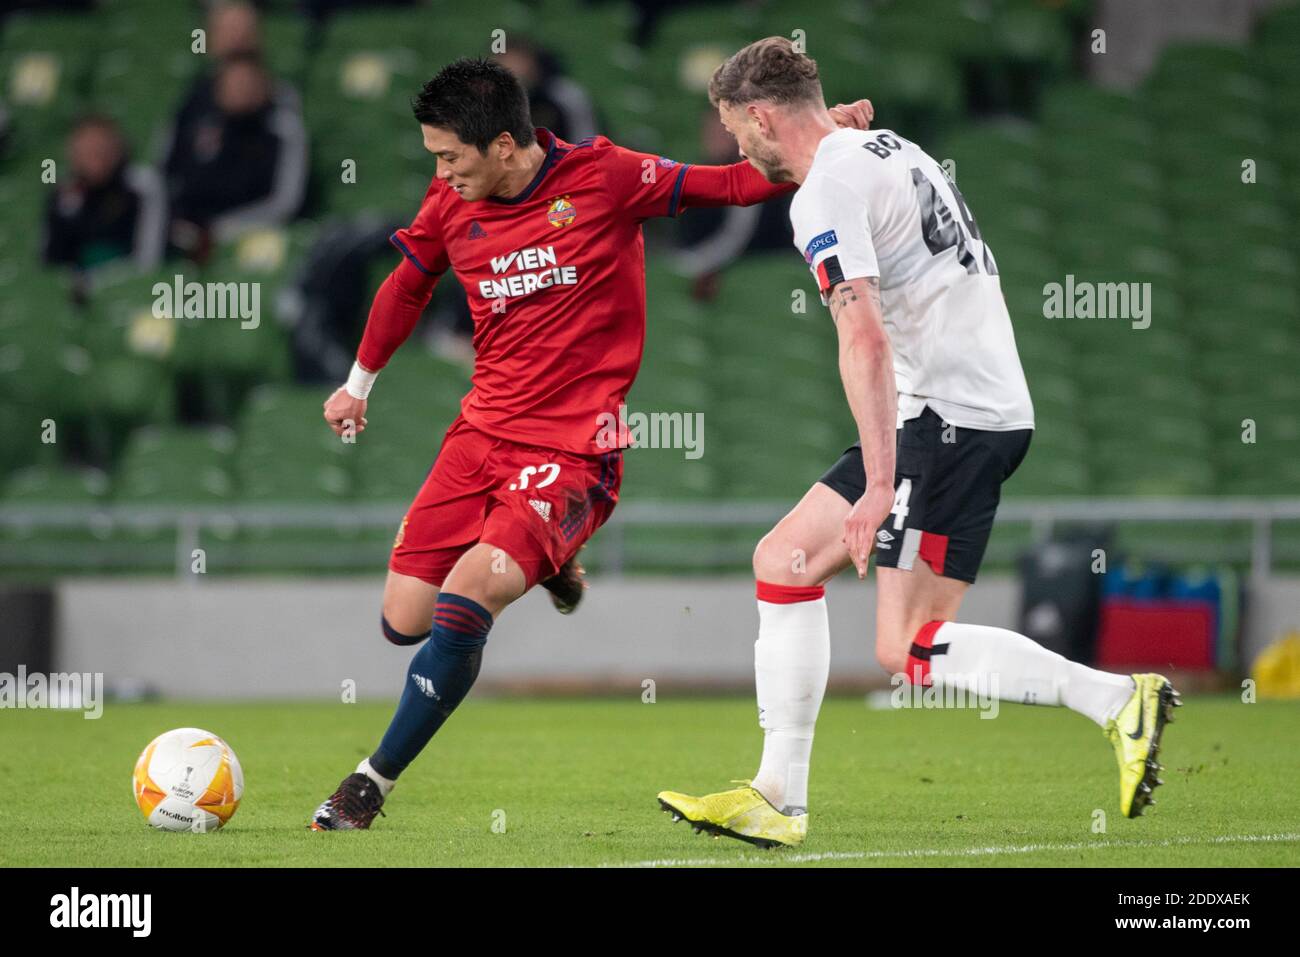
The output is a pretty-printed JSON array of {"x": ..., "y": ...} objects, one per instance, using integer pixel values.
[{"x": 538, "y": 505}]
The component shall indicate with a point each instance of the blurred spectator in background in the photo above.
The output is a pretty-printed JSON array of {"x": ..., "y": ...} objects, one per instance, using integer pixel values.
[
  {"x": 556, "y": 102},
  {"x": 712, "y": 238},
  {"x": 105, "y": 209},
  {"x": 233, "y": 27},
  {"x": 236, "y": 156}
]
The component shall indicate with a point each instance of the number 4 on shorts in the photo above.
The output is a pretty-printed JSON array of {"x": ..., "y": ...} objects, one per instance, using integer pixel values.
[{"x": 901, "y": 495}]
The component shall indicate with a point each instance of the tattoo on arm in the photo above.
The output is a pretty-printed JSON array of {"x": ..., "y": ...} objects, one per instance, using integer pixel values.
[
  {"x": 847, "y": 292},
  {"x": 841, "y": 296}
]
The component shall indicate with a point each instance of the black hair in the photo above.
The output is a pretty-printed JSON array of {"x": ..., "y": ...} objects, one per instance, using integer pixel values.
[{"x": 478, "y": 100}]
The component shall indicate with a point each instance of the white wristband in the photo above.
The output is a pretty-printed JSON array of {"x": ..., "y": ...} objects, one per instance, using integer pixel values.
[{"x": 360, "y": 382}]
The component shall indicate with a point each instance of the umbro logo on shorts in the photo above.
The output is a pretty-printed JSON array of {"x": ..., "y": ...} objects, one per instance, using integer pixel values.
[
  {"x": 543, "y": 508},
  {"x": 883, "y": 538}
]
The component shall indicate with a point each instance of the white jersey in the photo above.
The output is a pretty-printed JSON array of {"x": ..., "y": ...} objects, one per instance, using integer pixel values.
[{"x": 874, "y": 204}]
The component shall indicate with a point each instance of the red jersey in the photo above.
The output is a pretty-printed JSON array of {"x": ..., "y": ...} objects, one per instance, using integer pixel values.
[{"x": 555, "y": 278}]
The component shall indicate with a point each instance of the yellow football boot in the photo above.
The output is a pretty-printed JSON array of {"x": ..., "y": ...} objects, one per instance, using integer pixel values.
[
  {"x": 741, "y": 813},
  {"x": 1135, "y": 732}
]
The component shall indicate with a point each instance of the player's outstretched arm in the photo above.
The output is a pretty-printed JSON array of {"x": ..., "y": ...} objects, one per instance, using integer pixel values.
[
  {"x": 740, "y": 184},
  {"x": 867, "y": 370},
  {"x": 397, "y": 308},
  {"x": 736, "y": 184}
]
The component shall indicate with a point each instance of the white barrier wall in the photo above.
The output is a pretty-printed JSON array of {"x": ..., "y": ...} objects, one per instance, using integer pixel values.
[
  {"x": 305, "y": 637},
  {"x": 299, "y": 637}
]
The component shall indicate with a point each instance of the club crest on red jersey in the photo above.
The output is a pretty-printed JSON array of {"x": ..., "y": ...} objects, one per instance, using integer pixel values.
[{"x": 561, "y": 212}]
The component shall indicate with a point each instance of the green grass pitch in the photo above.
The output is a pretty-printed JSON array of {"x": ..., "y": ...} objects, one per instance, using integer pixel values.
[{"x": 574, "y": 782}]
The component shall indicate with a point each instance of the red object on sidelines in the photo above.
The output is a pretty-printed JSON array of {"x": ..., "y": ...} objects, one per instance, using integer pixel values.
[{"x": 1157, "y": 634}]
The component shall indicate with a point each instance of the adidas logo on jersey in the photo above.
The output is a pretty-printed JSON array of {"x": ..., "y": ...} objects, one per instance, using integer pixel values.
[
  {"x": 476, "y": 231},
  {"x": 425, "y": 685},
  {"x": 883, "y": 538},
  {"x": 543, "y": 508}
]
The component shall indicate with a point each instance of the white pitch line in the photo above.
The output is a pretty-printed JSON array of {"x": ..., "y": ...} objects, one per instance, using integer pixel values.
[{"x": 778, "y": 858}]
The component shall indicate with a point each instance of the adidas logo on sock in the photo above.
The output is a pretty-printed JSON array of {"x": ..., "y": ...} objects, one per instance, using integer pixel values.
[
  {"x": 543, "y": 508},
  {"x": 425, "y": 685}
]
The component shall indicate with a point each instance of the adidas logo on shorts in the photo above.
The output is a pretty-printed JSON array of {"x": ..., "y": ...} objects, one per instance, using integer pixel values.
[{"x": 543, "y": 508}]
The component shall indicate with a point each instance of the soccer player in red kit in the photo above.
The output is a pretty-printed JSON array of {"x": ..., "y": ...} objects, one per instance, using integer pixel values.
[{"x": 545, "y": 238}]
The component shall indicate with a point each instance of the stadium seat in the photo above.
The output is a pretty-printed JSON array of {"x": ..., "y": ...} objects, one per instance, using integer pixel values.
[
  {"x": 1191, "y": 81},
  {"x": 284, "y": 45},
  {"x": 952, "y": 29},
  {"x": 286, "y": 452},
  {"x": 156, "y": 32},
  {"x": 48, "y": 550},
  {"x": 415, "y": 400},
  {"x": 51, "y": 485},
  {"x": 1031, "y": 33},
  {"x": 170, "y": 465},
  {"x": 45, "y": 66},
  {"x": 1046, "y": 475},
  {"x": 666, "y": 475},
  {"x": 688, "y": 45},
  {"x": 1175, "y": 541},
  {"x": 1276, "y": 42}
]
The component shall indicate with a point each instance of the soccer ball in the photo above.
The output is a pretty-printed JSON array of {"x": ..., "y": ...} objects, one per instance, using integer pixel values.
[{"x": 188, "y": 780}]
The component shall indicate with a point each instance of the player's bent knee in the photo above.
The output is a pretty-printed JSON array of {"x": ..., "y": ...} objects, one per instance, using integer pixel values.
[
  {"x": 400, "y": 638},
  {"x": 766, "y": 567},
  {"x": 503, "y": 585},
  {"x": 777, "y": 562}
]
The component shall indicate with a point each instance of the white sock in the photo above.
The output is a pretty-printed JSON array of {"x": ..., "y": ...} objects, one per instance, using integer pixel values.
[
  {"x": 994, "y": 660},
  {"x": 385, "y": 785},
  {"x": 791, "y": 660}
]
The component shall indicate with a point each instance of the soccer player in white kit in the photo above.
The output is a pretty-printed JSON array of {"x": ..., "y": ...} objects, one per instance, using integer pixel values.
[{"x": 929, "y": 365}]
